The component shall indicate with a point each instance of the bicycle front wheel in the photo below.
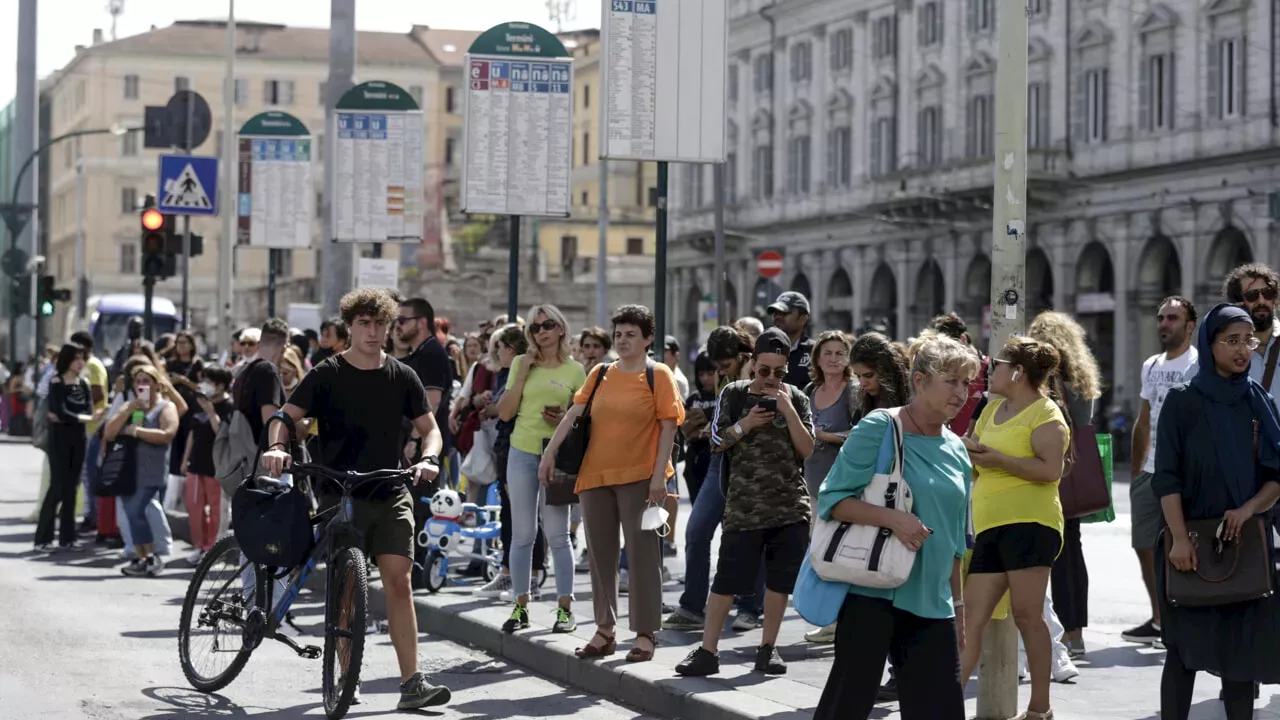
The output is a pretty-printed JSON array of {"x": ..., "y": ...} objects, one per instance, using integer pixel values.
[
  {"x": 345, "y": 615},
  {"x": 211, "y": 633}
]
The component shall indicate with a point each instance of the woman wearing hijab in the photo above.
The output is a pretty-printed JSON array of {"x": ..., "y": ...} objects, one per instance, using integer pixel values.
[{"x": 1207, "y": 468}]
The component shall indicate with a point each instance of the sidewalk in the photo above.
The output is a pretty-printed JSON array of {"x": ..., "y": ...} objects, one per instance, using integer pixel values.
[{"x": 1118, "y": 681}]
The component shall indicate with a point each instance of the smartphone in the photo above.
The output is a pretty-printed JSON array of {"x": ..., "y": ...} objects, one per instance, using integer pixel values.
[
  {"x": 768, "y": 404},
  {"x": 144, "y": 394}
]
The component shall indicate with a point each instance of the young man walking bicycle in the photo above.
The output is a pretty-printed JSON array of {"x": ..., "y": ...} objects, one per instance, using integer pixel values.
[{"x": 359, "y": 397}]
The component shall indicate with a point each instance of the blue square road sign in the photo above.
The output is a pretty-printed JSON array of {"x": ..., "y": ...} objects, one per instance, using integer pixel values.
[{"x": 188, "y": 185}]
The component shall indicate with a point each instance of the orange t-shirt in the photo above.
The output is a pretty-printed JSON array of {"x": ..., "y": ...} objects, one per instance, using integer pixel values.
[{"x": 625, "y": 425}]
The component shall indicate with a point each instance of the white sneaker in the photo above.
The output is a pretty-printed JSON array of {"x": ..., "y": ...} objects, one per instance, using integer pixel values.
[
  {"x": 822, "y": 636},
  {"x": 154, "y": 566},
  {"x": 745, "y": 622},
  {"x": 495, "y": 587},
  {"x": 507, "y": 597},
  {"x": 1063, "y": 669},
  {"x": 195, "y": 557}
]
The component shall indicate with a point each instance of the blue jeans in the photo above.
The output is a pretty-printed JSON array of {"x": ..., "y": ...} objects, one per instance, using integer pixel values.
[
  {"x": 135, "y": 508},
  {"x": 528, "y": 499},
  {"x": 156, "y": 521},
  {"x": 89, "y": 476},
  {"x": 708, "y": 511}
]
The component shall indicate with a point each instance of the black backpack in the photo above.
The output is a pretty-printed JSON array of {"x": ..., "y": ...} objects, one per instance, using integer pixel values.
[{"x": 272, "y": 524}]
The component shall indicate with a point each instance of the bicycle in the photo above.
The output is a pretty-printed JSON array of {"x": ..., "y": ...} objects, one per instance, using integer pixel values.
[{"x": 245, "y": 603}]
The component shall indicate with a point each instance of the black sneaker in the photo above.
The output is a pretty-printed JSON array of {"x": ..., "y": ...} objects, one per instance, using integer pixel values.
[
  {"x": 888, "y": 692},
  {"x": 72, "y": 546},
  {"x": 768, "y": 661},
  {"x": 416, "y": 693},
  {"x": 1146, "y": 633},
  {"x": 519, "y": 619},
  {"x": 699, "y": 663}
]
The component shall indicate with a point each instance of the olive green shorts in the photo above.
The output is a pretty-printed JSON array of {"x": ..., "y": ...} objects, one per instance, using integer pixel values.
[{"x": 386, "y": 525}]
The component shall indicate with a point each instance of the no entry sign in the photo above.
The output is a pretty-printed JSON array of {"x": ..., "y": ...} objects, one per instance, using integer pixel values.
[{"x": 769, "y": 263}]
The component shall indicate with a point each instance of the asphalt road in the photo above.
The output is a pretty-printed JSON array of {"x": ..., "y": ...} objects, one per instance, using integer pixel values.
[{"x": 79, "y": 640}]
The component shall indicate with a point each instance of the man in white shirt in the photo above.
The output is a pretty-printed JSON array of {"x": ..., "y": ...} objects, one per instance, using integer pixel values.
[{"x": 1176, "y": 323}]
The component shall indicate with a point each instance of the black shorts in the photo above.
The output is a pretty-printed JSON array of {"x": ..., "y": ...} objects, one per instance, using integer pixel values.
[
  {"x": 783, "y": 549},
  {"x": 1015, "y": 547}
]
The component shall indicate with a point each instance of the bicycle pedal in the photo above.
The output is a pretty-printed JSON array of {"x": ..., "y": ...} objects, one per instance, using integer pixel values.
[{"x": 310, "y": 652}]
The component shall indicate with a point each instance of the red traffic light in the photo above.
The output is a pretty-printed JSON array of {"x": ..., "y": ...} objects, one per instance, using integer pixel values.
[{"x": 152, "y": 219}]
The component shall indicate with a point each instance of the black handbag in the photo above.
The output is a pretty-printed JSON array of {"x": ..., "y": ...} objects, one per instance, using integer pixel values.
[
  {"x": 1226, "y": 572},
  {"x": 574, "y": 447},
  {"x": 118, "y": 476},
  {"x": 272, "y": 525}
]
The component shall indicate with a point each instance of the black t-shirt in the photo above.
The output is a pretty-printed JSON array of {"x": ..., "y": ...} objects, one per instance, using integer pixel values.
[
  {"x": 798, "y": 363},
  {"x": 201, "y": 460},
  {"x": 360, "y": 412},
  {"x": 259, "y": 384},
  {"x": 435, "y": 370}
]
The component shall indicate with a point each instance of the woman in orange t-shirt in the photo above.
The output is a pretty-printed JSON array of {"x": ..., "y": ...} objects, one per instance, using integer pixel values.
[{"x": 633, "y": 425}]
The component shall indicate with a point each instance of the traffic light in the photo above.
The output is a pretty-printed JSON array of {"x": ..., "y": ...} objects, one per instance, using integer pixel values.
[
  {"x": 20, "y": 297},
  {"x": 47, "y": 294},
  {"x": 157, "y": 231}
]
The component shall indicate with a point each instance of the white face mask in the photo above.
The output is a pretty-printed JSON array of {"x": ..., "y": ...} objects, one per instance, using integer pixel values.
[
  {"x": 655, "y": 518},
  {"x": 207, "y": 388}
]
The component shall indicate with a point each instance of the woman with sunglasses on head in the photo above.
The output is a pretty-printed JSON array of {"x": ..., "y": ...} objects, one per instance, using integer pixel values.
[
  {"x": 623, "y": 479},
  {"x": 1207, "y": 468},
  {"x": 540, "y": 387},
  {"x": 1017, "y": 447}
]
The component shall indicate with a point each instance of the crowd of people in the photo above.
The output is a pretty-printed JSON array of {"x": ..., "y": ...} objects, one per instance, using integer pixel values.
[{"x": 780, "y": 428}]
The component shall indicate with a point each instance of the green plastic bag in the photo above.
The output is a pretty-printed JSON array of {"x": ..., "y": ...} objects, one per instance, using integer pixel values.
[{"x": 1108, "y": 515}]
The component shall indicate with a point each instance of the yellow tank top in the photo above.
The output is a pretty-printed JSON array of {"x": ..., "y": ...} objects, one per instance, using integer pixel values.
[{"x": 1000, "y": 498}]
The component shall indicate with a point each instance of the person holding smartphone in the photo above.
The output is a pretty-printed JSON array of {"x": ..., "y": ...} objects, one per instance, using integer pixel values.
[{"x": 764, "y": 427}]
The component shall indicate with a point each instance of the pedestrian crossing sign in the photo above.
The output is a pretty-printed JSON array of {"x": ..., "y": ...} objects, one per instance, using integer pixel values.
[{"x": 188, "y": 185}]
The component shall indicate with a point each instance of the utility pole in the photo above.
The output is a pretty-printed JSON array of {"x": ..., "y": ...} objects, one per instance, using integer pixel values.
[
  {"x": 602, "y": 249},
  {"x": 722, "y": 302},
  {"x": 25, "y": 139},
  {"x": 82, "y": 280},
  {"x": 998, "y": 666},
  {"x": 230, "y": 190},
  {"x": 336, "y": 258}
]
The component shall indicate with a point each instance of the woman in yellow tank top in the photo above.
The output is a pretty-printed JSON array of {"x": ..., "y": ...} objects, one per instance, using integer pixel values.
[{"x": 1017, "y": 447}]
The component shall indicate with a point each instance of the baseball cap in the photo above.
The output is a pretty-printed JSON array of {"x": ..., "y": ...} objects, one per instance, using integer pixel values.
[
  {"x": 788, "y": 301},
  {"x": 671, "y": 344},
  {"x": 773, "y": 340}
]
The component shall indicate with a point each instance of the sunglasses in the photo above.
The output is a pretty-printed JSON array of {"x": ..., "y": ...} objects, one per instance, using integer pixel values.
[
  {"x": 764, "y": 372},
  {"x": 408, "y": 319},
  {"x": 548, "y": 326},
  {"x": 1269, "y": 293},
  {"x": 249, "y": 343}
]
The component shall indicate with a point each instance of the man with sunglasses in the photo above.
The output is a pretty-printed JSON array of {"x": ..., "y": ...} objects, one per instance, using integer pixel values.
[
  {"x": 1256, "y": 288},
  {"x": 764, "y": 427}
]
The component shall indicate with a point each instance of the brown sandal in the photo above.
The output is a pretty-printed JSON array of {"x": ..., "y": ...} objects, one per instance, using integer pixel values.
[
  {"x": 637, "y": 654},
  {"x": 590, "y": 652}
]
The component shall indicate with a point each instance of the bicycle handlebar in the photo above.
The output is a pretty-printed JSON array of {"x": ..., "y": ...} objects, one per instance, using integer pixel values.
[{"x": 350, "y": 478}]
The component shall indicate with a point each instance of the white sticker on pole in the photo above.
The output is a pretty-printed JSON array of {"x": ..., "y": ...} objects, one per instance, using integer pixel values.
[
  {"x": 663, "y": 72},
  {"x": 377, "y": 273}
]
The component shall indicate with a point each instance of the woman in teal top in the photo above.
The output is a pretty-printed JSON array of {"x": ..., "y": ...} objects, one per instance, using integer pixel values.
[{"x": 920, "y": 614}]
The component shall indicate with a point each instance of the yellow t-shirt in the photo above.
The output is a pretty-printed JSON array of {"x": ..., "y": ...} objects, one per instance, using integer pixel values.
[
  {"x": 1000, "y": 498},
  {"x": 544, "y": 386},
  {"x": 97, "y": 376}
]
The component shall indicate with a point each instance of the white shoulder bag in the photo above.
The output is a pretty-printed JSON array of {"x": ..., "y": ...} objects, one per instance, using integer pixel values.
[{"x": 864, "y": 555}]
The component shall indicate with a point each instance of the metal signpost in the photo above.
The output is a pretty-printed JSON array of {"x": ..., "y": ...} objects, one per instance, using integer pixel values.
[
  {"x": 518, "y": 143},
  {"x": 378, "y": 161},
  {"x": 276, "y": 192},
  {"x": 663, "y": 73}
]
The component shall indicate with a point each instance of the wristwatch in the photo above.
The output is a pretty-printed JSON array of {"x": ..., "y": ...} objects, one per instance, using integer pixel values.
[{"x": 433, "y": 459}]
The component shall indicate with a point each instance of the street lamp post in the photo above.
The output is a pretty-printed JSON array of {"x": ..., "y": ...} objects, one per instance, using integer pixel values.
[{"x": 16, "y": 215}]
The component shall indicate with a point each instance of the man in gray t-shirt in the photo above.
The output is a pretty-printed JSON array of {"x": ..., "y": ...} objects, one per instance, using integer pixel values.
[{"x": 1176, "y": 323}]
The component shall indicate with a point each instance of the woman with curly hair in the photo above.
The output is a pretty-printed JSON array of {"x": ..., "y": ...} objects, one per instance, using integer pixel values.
[
  {"x": 1081, "y": 385},
  {"x": 881, "y": 372}
]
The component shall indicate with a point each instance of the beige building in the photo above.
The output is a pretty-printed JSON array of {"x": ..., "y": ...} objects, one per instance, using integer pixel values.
[
  {"x": 569, "y": 246},
  {"x": 277, "y": 68}
]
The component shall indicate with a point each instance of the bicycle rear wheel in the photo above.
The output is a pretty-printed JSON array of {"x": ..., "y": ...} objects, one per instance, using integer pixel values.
[
  {"x": 345, "y": 615},
  {"x": 221, "y": 611}
]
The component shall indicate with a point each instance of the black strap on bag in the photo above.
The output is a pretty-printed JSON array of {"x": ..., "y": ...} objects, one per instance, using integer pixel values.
[{"x": 574, "y": 447}]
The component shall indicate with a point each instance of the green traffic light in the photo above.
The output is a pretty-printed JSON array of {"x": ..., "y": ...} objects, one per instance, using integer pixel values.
[{"x": 46, "y": 308}]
